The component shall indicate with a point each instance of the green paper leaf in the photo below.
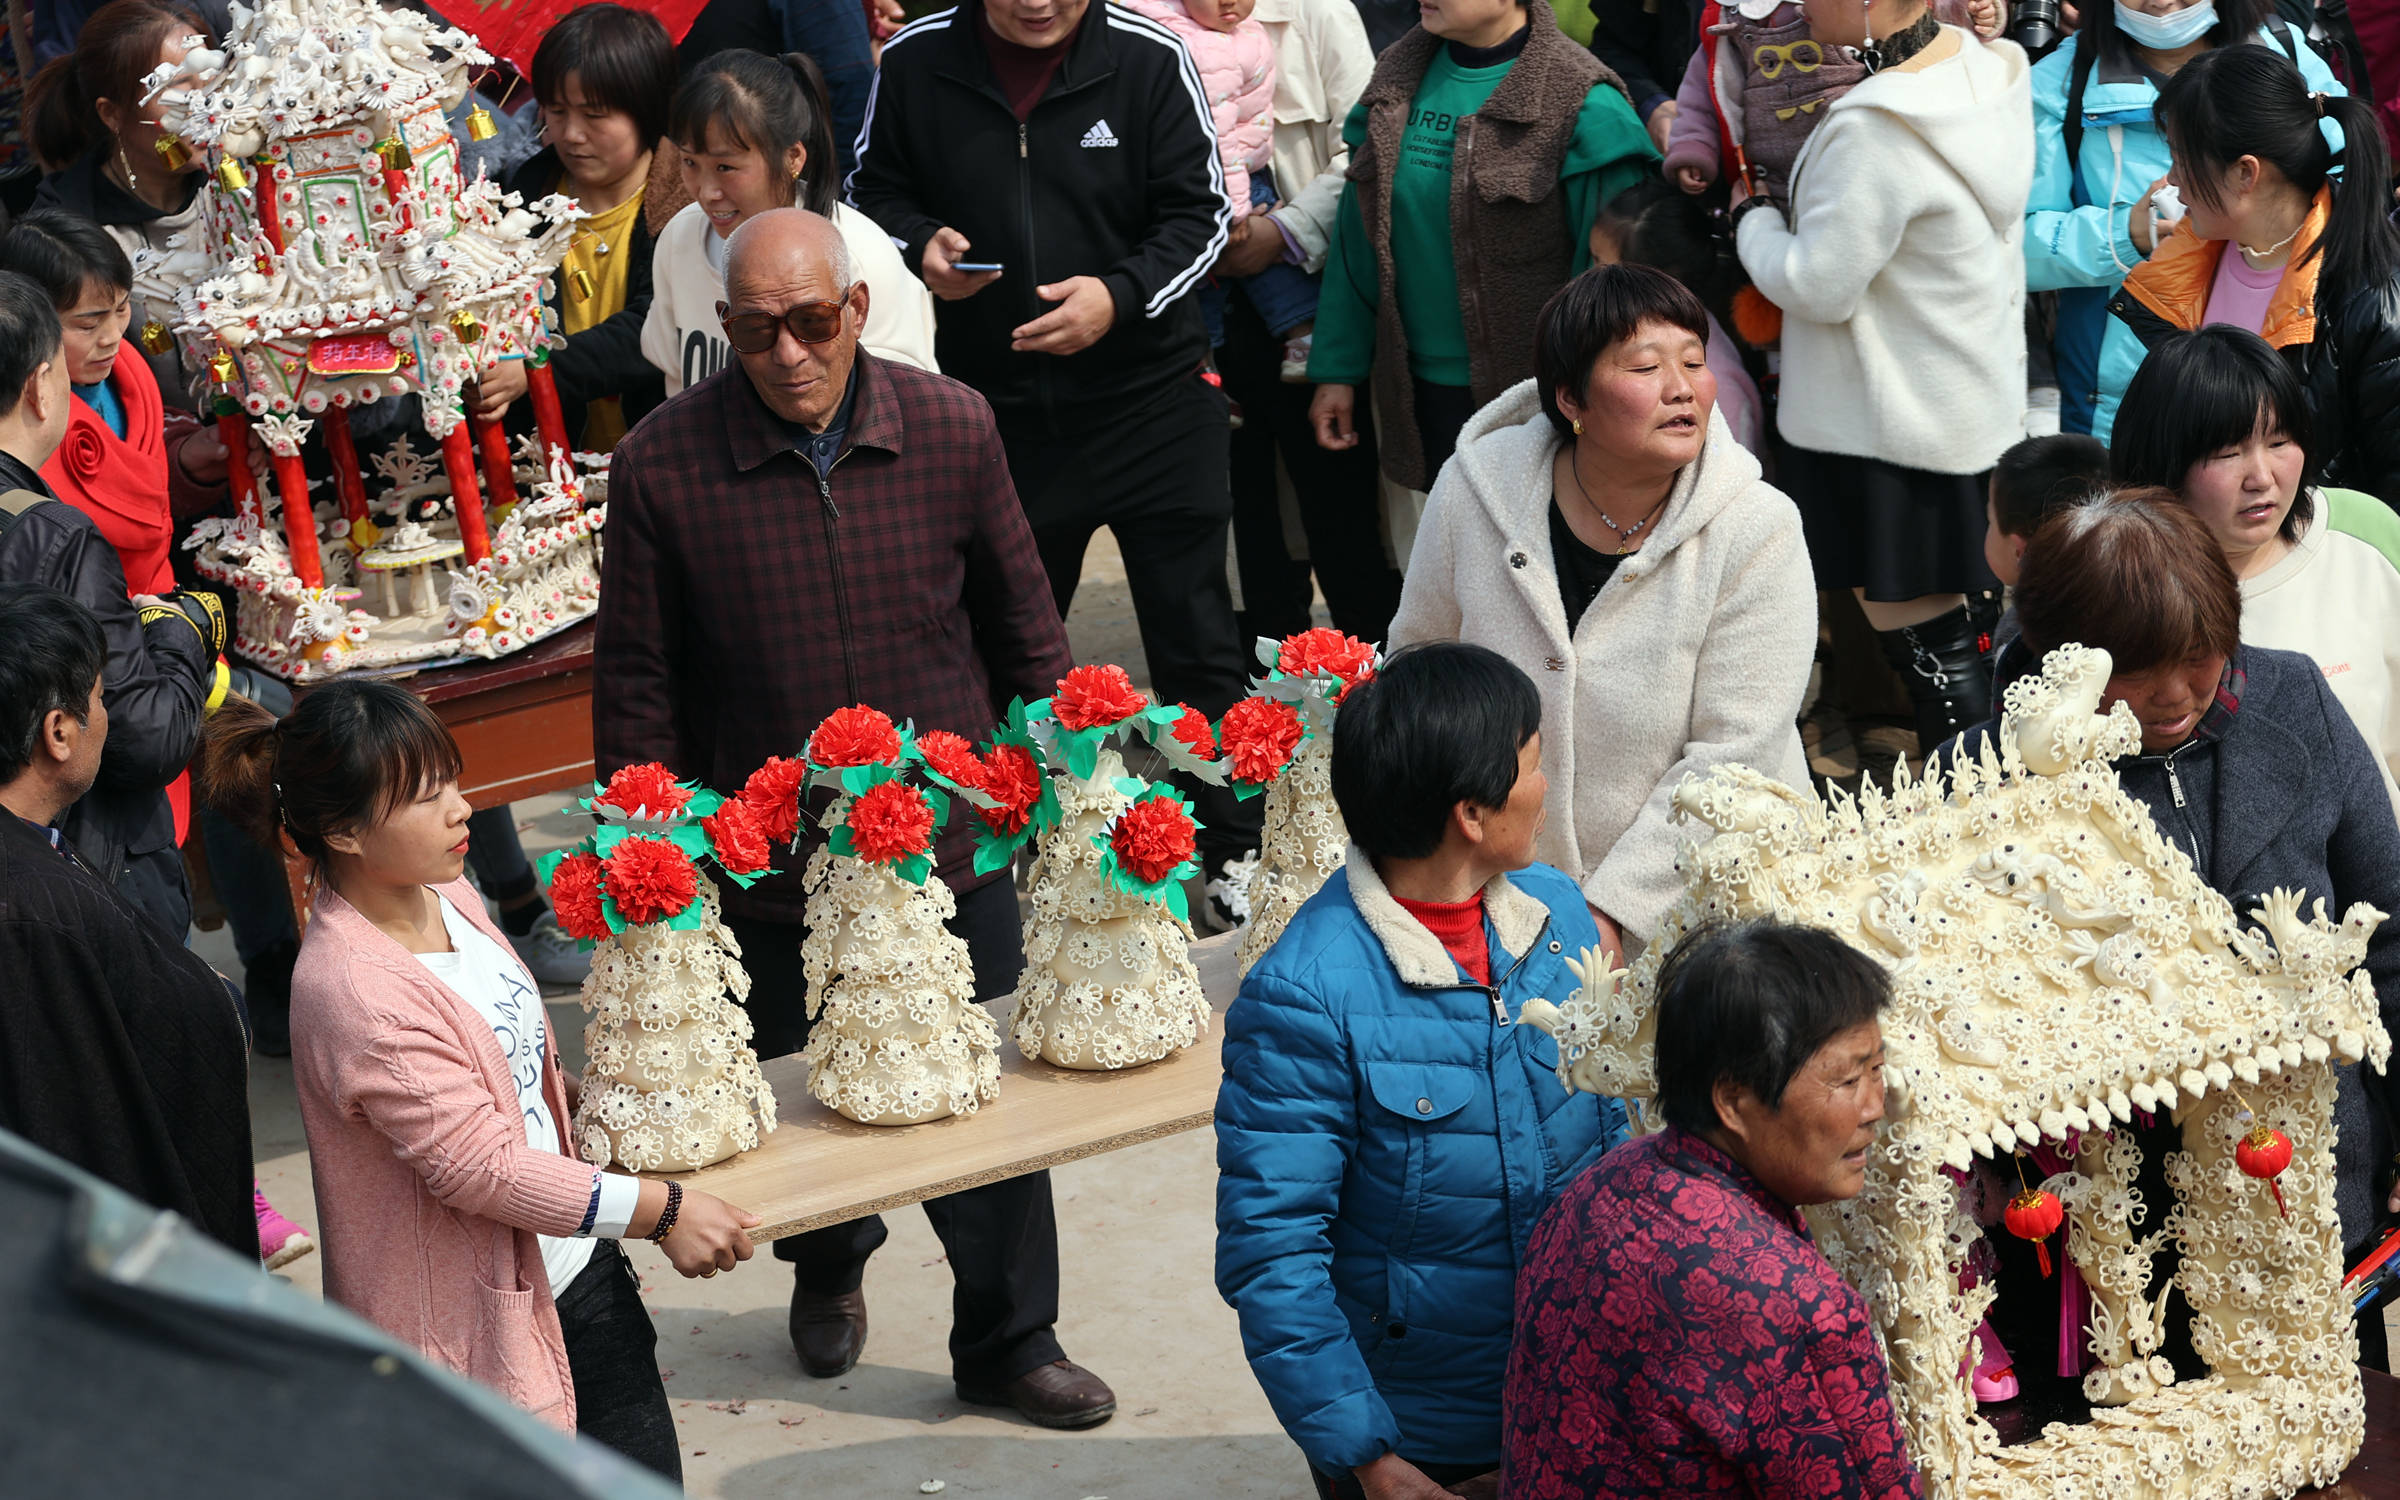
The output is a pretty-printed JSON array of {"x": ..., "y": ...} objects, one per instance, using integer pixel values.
[
  {"x": 1083, "y": 752},
  {"x": 914, "y": 869},
  {"x": 839, "y": 842},
  {"x": 608, "y": 909},
  {"x": 940, "y": 805},
  {"x": 704, "y": 804},
  {"x": 692, "y": 839},
  {"x": 859, "y": 779},
  {"x": 1243, "y": 791},
  {"x": 1164, "y": 715},
  {"x": 607, "y": 836},
  {"x": 993, "y": 854},
  {"x": 1130, "y": 786},
  {"x": 688, "y": 919},
  {"x": 1177, "y": 903}
]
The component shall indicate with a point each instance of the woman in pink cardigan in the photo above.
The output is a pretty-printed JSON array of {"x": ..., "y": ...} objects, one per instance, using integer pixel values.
[{"x": 454, "y": 1215}]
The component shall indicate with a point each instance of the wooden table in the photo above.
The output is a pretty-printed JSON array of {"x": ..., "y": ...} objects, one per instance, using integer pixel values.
[
  {"x": 817, "y": 1168},
  {"x": 2375, "y": 1473}
]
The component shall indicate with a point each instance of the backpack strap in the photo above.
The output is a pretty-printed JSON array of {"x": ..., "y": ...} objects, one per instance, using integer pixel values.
[
  {"x": 14, "y": 504},
  {"x": 2282, "y": 31},
  {"x": 2079, "y": 74}
]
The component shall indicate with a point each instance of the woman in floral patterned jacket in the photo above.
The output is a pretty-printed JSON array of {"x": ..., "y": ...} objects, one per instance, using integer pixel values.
[{"x": 1677, "y": 1331}]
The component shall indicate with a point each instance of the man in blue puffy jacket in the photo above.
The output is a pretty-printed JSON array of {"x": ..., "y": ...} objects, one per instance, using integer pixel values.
[{"x": 1387, "y": 1135}]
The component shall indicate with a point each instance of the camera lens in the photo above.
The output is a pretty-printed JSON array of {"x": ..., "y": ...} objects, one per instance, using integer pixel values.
[{"x": 2033, "y": 25}]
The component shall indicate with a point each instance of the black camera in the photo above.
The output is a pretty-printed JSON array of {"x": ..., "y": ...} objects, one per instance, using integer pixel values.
[{"x": 2034, "y": 26}]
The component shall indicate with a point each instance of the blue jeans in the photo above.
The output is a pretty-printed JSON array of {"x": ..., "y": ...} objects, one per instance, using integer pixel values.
[{"x": 1283, "y": 295}]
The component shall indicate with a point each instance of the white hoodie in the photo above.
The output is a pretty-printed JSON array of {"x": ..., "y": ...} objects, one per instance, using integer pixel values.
[
  {"x": 2336, "y": 600},
  {"x": 687, "y": 278},
  {"x": 1695, "y": 654},
  {"x": 1901, "y": 276}
]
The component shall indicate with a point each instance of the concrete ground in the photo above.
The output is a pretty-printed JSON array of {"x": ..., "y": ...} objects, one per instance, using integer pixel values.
[{"x": 1137, "y": 1303}]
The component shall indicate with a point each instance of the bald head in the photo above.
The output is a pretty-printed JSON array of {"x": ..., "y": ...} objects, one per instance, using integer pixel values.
[{"x": 785, "y": 245}]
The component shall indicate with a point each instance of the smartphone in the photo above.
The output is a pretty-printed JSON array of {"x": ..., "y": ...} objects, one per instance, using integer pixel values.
[{"x": 973, "y": 267}]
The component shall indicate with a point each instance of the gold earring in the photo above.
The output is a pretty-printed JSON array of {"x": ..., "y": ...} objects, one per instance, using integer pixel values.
[{"x": 1579, "y": 426}]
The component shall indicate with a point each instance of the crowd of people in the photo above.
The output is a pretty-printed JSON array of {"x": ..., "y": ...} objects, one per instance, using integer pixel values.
[{"x": 1596, "y": 361}]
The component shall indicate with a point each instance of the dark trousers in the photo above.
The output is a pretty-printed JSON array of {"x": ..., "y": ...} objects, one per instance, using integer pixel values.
[
  {"x": 1156, "y": 477},
  {"x": 1002, "y": 1238},
  {"x": 1341, "y": 507},
  {"x": 1347, "y": 1486},
  {"x": 1441, "y": 411},
  {"x": 612, "y": 1352},
  {"x": 497, "y": 855}
]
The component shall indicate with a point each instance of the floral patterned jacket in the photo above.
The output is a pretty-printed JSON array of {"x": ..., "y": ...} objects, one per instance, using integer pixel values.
[{"x": 1678, "y": 1333}]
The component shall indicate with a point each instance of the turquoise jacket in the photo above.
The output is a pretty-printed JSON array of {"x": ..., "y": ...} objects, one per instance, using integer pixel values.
[{"x": 2083, "y": 251}]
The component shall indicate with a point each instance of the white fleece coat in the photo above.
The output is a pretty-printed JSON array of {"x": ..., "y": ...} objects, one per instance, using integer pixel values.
[
  {"x": 2336, "y": 600},
  {"x": 1695, "y": 654},
  {"x": 683, "y": 337},
  {"x": 1901, "y": 276}
]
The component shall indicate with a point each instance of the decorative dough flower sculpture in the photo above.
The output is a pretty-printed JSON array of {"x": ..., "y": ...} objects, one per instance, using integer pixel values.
[
  {"x": 2057, "y": 967},
  {"x": 670, "y": 1081},
  {"x": 1282, "y": 737}
]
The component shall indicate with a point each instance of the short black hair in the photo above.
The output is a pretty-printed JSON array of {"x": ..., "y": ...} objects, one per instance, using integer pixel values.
[
  {"x": 1603, "y": 305},
  {"x": 2045, "y": 474},
  {"x": 1440, "y": 724},
  {"x": 1753, "y": 1001},
  {"x": 623, "y": 59},
  {"x": 63, "y": 253},
  {"x": 51, "y": 652},
  {"x": 2203, "y": 391},
  {"x": 30, "y": 334},
  {"x": 1656, "y": 224}
]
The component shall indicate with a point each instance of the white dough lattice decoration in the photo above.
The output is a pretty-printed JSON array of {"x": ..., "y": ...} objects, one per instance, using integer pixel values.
[
  {"x": 2057, "y": 966},
  {"x": 670, "y": 1083},
  {"x": 897, "y": 1038},
  {"x": 1109, "y": 981}
]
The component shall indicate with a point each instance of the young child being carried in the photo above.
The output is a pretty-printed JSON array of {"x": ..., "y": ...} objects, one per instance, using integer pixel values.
[{"x": 1237, "y": 70}]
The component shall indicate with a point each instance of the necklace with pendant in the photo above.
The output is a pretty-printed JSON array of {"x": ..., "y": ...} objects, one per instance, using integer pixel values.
[{"x": 1625, "y": 534}]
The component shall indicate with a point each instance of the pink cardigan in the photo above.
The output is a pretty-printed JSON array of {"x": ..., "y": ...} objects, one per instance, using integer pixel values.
[{"x": 428, "y": 1194}]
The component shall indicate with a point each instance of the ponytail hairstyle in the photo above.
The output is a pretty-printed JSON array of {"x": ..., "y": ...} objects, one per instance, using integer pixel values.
[
  {"x": 769, "y": 104},
  {"x": 348, "y": 757},
  {"x": 2234, "y": 102},
  {"x": 118, "y": 47}
]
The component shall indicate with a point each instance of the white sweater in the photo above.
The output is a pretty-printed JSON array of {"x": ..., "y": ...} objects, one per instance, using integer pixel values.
[
  {"x": 1695, "y": 654},
  {"x": 2336, "y": 600},
  {"x": 687, "y": 278},
  {"x": 1901, "y": 277}
]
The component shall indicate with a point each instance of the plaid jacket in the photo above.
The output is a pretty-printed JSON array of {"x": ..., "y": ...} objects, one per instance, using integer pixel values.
[{"x": 741, "y": 601}]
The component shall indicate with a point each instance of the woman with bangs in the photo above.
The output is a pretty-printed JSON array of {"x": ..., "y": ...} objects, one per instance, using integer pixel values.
[
  {"x": 2221, "y": 420},
  {"x": 2248, "y": 764},
  {"x": 455, "y": 1215}
]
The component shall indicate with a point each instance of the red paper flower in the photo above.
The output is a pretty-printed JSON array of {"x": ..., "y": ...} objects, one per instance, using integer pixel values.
[
  {"x": 650, "y": 879},
  {"x": 1092, "y": 696},
  {"x": 1193, "y": 733},
  {"x": 773, "y": 796},
  {"x": 648, "y": 788},
  {"x": 860, "y": 736},
  {"x": 951, "y": 757},
  {"x": 575, "y": 897},
  {"x": 1325, "y": 649},
  {"x": 891, "y": 821},
  {"x": 1260, "y": 734},
  {"x": 1011, "y": 778},
  {"x": 1153, "y": 839},
  {"x": 734, "y": 833}
]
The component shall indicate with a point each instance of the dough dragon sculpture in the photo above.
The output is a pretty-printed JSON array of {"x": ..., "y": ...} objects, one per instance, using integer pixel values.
[{"x": 2059, "y": 967}]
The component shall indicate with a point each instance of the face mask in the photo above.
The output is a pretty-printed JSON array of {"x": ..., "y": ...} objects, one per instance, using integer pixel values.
[{"x": 2166, "y": 33}]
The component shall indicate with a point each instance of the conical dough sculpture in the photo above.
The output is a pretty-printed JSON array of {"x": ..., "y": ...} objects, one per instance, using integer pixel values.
[
  {"x": 1303, "y": 840},
  {"x": 2057, "y": 967},
  {"x": 897, "y": 1038},
  {"x": 1108, "y": 980},
  {"x": 670, "y": 1083}
]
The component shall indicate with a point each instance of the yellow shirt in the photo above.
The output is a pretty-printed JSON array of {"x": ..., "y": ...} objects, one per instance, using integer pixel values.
[{"x": 601, "y": 250}]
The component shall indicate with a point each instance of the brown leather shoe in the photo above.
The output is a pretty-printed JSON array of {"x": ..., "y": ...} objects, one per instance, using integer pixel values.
[
  {"x": 828, "y": 1333},
  {"x": 1059, "y": 1394}
]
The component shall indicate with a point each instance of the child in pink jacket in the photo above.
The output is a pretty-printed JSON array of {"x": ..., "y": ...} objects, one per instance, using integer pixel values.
[{"x": 1237, "y": 71}]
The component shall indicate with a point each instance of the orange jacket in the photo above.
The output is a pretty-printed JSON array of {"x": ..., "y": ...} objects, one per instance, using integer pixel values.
[{"x": 2174, "y": 283}]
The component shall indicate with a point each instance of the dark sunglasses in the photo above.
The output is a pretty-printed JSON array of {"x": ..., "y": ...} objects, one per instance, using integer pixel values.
[{"x": 810, "y": 323}]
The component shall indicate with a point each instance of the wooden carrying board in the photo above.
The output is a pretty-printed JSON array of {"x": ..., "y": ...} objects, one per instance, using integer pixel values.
[{"x": 817, "y": 1168}]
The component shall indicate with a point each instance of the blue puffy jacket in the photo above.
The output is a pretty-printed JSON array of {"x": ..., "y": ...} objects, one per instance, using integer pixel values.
[
  {"x": 2082, "y": 246},
  {"x": 1387, "y": 1138}
]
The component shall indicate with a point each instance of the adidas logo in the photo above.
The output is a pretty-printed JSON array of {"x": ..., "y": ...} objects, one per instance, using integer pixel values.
[{"x": 1099, "y": 135}]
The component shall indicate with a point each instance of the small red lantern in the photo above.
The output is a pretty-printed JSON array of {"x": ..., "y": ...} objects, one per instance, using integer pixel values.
[
  {"x": 2035, "y": 1215},
  {"x": 2265, "y": 1152}
]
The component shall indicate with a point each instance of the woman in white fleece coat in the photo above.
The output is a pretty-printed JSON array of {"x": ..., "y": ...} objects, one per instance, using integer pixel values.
[
  {"x": 1903, "y": 295},
  {"x": 1600, "y": 527}
]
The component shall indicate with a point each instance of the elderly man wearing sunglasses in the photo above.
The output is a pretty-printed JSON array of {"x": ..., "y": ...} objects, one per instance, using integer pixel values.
[{"x": 808, "y": 528}]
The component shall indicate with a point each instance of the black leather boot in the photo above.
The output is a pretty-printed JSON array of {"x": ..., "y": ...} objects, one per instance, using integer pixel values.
[{"x": 1948, "y": 679}]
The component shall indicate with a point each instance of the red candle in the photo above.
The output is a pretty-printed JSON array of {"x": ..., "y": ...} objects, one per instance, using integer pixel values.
[
  {"x": 499, "y": 474},
  {"x": 348, "y": 479},
  {"x": 270, "y": 218},
  {"x": 458, "y": 461},
  {"x": 233, "y": 430},
  {"x": 548, "y": 418},
  {"x": 299, "y": 521}
]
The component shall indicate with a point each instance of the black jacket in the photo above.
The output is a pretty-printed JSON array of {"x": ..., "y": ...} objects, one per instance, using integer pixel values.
[
  {"x": 1648, "y": 43},
  {"x": 2288, "y": 796},
  {"x": 605, "y": 359},
  {"x": 1115, "y": 175},
  {"x": 154, "y": 685},
  {"x": 2352, "y": 372},
  {"x": 119, "y": 1049}
]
